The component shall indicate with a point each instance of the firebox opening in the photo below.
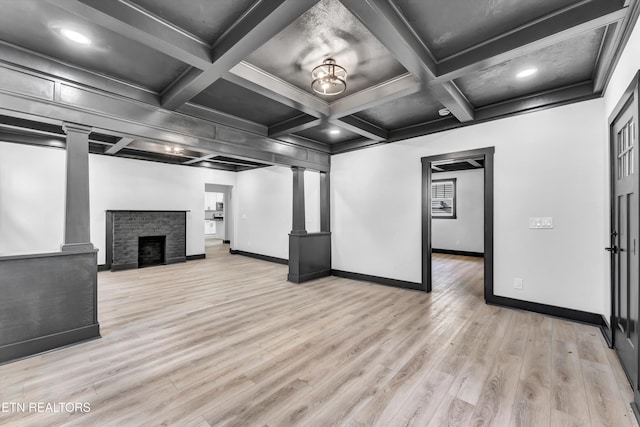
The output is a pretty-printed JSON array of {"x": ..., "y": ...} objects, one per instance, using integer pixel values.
[{"x": 151, "y": 250}]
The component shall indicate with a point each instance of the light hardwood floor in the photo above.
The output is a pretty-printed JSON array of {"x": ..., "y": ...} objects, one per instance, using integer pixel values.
[{"x": 227, "y": 341}]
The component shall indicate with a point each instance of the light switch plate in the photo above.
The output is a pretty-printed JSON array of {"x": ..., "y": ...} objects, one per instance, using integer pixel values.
[{"x": 537, "y": 223}]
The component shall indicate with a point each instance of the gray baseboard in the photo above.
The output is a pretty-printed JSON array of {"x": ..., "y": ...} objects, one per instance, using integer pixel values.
[
  {"x": 19, "y": 350},
  {"x": 379, "y": 280},
  {"x": 119, "y": 267},
  {"x": 455, "y": 252},
  {"x": 306, "y": 277},
  {"x": 259, "y": 256},
  {"x": 550, "y": 310}
]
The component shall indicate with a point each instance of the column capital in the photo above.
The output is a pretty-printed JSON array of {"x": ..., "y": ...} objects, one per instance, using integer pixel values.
[
  {"x": 76, "y": 128},
  {"x": 298, "y": 168}
]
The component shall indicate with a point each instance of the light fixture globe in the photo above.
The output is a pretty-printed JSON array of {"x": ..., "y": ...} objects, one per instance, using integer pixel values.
[{"x": 329, "y": 78}]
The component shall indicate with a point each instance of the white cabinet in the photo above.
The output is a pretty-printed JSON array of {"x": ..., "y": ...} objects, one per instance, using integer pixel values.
[
  {"x": 210, "y": 227},
  {"x": 220, "y": 229},
  {"x": 210, "y": 201}
]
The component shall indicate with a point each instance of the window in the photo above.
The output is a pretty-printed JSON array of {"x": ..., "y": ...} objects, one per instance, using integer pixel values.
[
  {"x": 626, "y": 142},
  {"x": 443, "y": 198}
]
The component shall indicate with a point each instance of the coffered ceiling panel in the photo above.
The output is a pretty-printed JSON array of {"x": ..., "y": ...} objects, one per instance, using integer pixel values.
[
  {"x": 328, "y": 134},
  {"x": 240, "y": 102},
  {"x": 234, "y": 76},
  {"x": 419, "y": 107},
  {"x": 450, "y": 26},
  {"x": 106, "y": 53},
  {"x": 565, "y": 63},
  {"x": 206, "y": 20},
  {"x": 327, "y": 30}
]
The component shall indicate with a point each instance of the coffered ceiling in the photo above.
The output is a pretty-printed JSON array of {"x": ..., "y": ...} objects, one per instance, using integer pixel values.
[{"x": 227, "y": 84}]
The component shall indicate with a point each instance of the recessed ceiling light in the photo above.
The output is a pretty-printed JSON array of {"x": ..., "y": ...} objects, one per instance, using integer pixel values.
[
  {"x": 526, "y": 73},
  {"x": 444, "y": 112},
  {"x": 174, "y": 150},
  {"x": 334, "y": 132},
  {"x": 75, "y": 36}
]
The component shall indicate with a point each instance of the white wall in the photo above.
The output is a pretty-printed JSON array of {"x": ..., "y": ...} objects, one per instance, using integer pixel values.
[
  {"x": 547, "y": 163},
  {"x": 31, "y": 199},
  {"x": 128, "y": 184},
  {"x": 311, "y": 200},
  {"x": 264, "y": 208},
  {"x": 32, "y": 181},
  {"x": 466, "y": 231},
  {"x": 625, "y": 70},
  {"x": 32, "y": 196}
]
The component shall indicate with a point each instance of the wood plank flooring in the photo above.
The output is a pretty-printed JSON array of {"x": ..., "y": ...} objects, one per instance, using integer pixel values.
[{"x": 226, "y": 341}]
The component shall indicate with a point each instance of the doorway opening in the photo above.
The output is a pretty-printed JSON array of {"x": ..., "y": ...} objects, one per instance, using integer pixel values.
[
  {"x": 218, "y": 207},
  {"x": 457, "y": 213},
  {"x": 440, "y": 202}
]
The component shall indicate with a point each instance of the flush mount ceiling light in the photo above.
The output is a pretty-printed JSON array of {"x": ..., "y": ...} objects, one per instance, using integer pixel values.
[
  {"x": 526, "y": 73},
  {"x": 174, "y": 150},
  {"x": 334, "y": 132},
  {"x": 75, "y": 36},
  {"x": 329, "y": 78}
]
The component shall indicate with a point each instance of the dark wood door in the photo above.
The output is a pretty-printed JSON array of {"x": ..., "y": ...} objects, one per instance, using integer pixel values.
[{"x": 624, "y": 241}]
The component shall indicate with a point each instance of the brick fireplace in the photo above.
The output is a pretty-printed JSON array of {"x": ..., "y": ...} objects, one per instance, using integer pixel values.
[{"x": 143, "y": 238}]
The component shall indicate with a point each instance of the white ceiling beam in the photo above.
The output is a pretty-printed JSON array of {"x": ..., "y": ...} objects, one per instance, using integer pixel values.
[
  {"x": 122, "y": 143},
  {"x": 361, "y": 127},
  {"x": 198, "y": 159},
  {"x": 296, "y": 124},
  {"x": 384, "y": 20},
  {"x": 255, "y": 79},
  {"x": 263, "y": 21},
  {"x": 371, "y": 97}
]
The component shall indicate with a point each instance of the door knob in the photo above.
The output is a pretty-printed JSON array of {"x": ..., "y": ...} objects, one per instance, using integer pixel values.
[{"x": 613, "y": 250}]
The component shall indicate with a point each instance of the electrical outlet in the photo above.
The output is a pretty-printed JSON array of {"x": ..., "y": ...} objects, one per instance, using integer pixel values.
[
  {"x": 537, "y": 223},
  {"x": 517, "y": 283}
]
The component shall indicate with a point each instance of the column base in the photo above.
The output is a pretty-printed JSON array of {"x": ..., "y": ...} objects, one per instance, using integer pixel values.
[
  {"x": 309, "y": 256},
  {"x": 77, "y": 247}
]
